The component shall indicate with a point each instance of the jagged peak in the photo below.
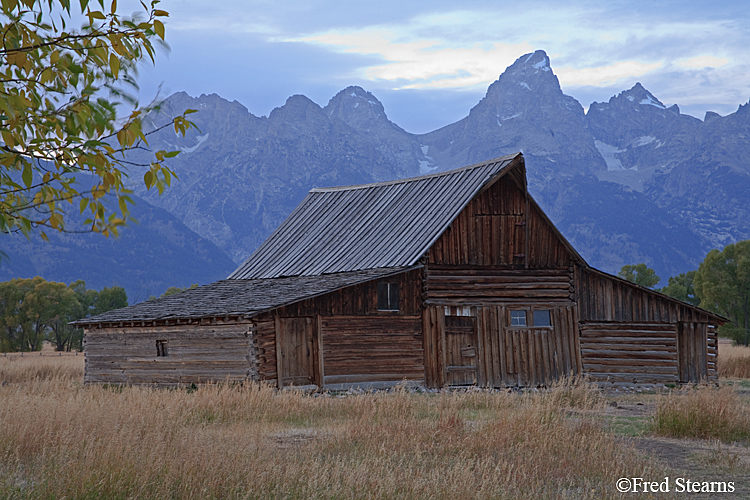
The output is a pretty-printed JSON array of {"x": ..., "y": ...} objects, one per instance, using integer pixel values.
[
  {"x": 711, "y": 116},
  {"x": 537, "y": 60},
  {"x": 638, "y": 94},
  {"x": 300, "y": 100},
  {"x": 351, "y": 97},
  {"x": 530, "y": 72},
  {"x": 356, "y": 107}
]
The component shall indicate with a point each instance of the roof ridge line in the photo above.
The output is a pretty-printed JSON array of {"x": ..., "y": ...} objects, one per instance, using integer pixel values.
[{"x": 413, "y": 179}]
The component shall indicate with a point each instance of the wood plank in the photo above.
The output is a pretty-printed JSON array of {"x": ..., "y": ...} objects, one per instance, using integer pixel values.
[{"x": 279, "y": 362}]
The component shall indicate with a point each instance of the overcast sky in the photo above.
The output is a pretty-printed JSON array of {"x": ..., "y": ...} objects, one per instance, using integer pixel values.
[{"x": 430, "y": 61}]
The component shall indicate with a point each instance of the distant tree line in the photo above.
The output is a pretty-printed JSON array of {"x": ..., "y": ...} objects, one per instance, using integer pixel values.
[
  {"x": 34, "y": 310},
  {"x": 721, "y": 284}
]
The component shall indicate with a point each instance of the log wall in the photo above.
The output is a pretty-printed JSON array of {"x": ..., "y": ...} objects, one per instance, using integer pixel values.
[
  {"x": 712, "y": 353},
  {"x": 195, "y": 354},
  {"x": 358, "y": 349},
  {"x": 631, "y": 353},
  {"x": 454, "y": 285}
]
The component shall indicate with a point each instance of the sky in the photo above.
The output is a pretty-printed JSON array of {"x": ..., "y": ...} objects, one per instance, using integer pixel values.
[{"x": 429, "y": 62}]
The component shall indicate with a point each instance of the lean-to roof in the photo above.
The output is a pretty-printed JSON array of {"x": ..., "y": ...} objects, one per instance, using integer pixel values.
[{"x": 236, "y": 298}]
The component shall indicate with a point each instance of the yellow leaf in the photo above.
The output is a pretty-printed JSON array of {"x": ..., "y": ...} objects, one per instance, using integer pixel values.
[
  {"x": 148, "y": 178},
  {"x": 161, "y": 13},
  {"x": 114, "y": 65},
  {"x": 44, "y": 237},
  {"x": 159, "y": 28}
]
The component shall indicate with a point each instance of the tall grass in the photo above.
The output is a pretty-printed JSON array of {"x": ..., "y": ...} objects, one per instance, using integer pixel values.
[
  {"x": 33, "y": 367},
  {"x": 59, "y": 439},
  {"x": 734, "y": 361},
  {"x": 706, "y": 413}
]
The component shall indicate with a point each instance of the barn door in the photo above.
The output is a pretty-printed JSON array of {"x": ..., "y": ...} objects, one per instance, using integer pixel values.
[
  {"x": 692, "y": 346},
  {"x": 295, "y": 353},
  {"x": 460, "y": 350}
]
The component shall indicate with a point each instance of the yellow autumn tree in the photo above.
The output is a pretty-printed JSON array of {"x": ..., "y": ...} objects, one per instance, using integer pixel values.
[{"x": 64, "y": 133}]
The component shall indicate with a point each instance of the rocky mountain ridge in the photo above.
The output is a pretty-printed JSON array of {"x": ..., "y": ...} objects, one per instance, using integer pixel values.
[{"x": 630, "y": 180}]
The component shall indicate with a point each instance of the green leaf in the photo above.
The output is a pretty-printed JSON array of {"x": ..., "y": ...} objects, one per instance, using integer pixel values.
[{"x": 28, "y": 175}]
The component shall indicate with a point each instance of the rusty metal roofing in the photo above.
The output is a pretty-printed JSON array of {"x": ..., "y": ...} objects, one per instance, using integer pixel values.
[
  {"x": 237, "y": 298},
  {"x": 369, "y": 226}
]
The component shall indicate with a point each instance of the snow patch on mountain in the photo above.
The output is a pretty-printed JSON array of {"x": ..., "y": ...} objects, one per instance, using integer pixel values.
[
  {"x": 542, "y": 65},
  {"x": 645, "y": 140},
  {"x": 427, "y": 165},
  {"x": 650, "y": 102},
  {"x": 201, "y": 140},
  {"x": 608, "y": 152}
]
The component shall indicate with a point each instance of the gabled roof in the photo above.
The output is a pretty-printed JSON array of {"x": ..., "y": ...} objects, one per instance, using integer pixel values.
[
  {"x": 236, "y": 298},
  {"x": 388, "y": 224}
]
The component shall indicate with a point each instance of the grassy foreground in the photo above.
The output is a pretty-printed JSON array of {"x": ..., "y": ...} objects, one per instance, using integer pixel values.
[{"x": 59, "y": 439}]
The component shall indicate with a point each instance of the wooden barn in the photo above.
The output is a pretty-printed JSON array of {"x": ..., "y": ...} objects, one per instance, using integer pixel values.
[{"x": 449, "y": 279}]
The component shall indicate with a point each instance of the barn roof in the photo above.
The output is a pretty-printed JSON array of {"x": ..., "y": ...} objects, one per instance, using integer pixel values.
[
  {"x": 237, "y": 298},
  {"x": 369, "y": 226}
]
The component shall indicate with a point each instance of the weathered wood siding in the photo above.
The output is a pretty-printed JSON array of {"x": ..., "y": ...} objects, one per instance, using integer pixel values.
[
  {"x": 358, "y": 349},
  {"x": 265, "y": 344},
  {"x": 713, "y": 353},
  {"x": 501, "y": 227},
  {"x": 454, "y": 285},
  {"x": 660, "y": 340},
  {"x": 196, "y": 354},
  {"x": 296, "y": 354},
  {"x": 362, "y": 299},
  {"x": 605, "y": 298},
  {"x": 697, "y": 346},
  {"x": 632, "y": 353},
  {"x": 347, "y": 339},
  {"x": 505, "y": 355}
]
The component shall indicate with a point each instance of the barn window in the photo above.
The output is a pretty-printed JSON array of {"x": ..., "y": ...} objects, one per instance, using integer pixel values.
[
  {"x": 387, "y": 296},
  {"x": 161, "y": 348},
  {"x": 518, "y": 318},
  {"x": 542, "y": 318}
]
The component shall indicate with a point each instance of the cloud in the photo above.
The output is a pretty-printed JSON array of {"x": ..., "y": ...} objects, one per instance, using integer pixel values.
[
  {"x": 605, "y": 75},
  {"x": 422, "y": 63},
  {"x": 468, "y": 48},
  {"x": 703, "y": 61}
]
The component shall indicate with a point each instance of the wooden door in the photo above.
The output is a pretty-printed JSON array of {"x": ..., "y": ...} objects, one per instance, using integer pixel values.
[
  {"x": 460, "y": 350},
  {"x": 537, "y": 354},
  {"x": 296, "y": 355},
  {"x": 692, "y": 351}
]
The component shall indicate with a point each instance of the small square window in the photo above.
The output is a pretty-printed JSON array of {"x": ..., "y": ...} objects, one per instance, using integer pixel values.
[
  {"x": 542, "y": 318},
  {"x": 161, "y": 348},
  {"x": 518, "y": 318},
  {"x": 388, "y": 296}
]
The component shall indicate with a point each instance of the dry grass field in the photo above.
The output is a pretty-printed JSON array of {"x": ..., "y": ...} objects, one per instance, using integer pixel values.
[{"x": 59, "y": 439}]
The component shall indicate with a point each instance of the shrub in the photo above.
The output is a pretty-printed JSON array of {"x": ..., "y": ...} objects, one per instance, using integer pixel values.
[{"x": 706, "y": 413}]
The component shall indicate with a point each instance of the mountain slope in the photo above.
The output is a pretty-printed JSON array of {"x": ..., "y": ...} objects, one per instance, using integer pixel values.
[
  {"x": 241, "y": 175},
  {"x": 629, "y": 181},
  {"x": 146, "y": 259}
]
